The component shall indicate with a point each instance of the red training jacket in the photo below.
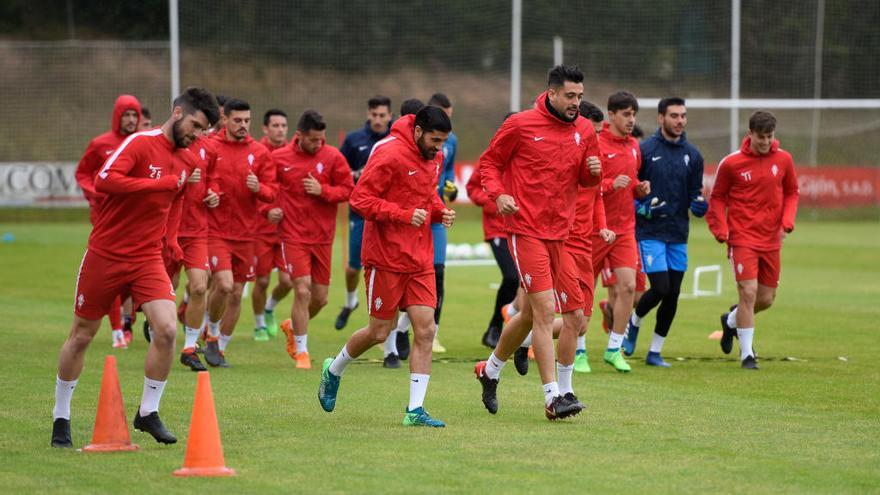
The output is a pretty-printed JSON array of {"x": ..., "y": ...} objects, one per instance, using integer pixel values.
[
  {"x": 189, "y": 160},
  {"x": 307, "y": 218},
  {"x": 194, "y": 222},
  {"x": 493, "y": 223},
  {"x": 269, "y": 146},
  {"x": 589, "y": 219},
  {"x": 620, "y": 156},
  {"x": 545, "y": 158},
  {"x": 754, "y": 198},
  {"x": 396, "y": 181}
]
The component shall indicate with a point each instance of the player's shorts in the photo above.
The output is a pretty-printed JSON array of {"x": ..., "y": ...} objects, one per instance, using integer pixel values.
[
  {"x": 582, "y": 264},
  {"x": 302, "y": 260},
  {"x": 439, "y": 234},
  {"x": 389, "y": 292},
  {"x": 101, "y": 280},
  {"x": 749, "y": 264},
  {"x": 237, "y": 256},
  {"x": 355, "y": 240},
  {"x": 609, "y": 279},
  {"x": 195, "y": 252},
  {"x": 172, "y": 259},
  {"x": 268, "y": 255},
  {"x": 542, "y": 266},
  {"x": 659, "y": 256},
  {"x": 622, "y": 253}
]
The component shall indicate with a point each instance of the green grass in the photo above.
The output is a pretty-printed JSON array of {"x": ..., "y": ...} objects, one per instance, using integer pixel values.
[{"x": 809, "y": 425}]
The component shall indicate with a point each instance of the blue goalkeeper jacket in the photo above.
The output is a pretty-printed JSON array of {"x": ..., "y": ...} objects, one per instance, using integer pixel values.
[
  {"x": 675, "y": 171},
  {"x": 448, "y": 172}
]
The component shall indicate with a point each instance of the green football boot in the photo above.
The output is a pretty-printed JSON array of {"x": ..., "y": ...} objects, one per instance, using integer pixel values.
[
  {"x": 615, "y": 358},
  {"x": 420, "y": 417},
  {"x": 581, "y": 363},
  {"x": 271, "y": 323}
]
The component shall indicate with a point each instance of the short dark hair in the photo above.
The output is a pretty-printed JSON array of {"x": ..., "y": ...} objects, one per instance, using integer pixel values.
[
  {"x": 665, "y": 103},
  {"x": 411, "y": 106},
  {"x": 431, "y": 118},
  {"x": 591, "y": 112},
  {"x": 222, "y": 99},
  {"x": 637, "y": 132},
  {"x": 310, "y": 120},
  {"x": 271, "y": 113},
  {"x": 235, "y": 105},
  {"x": 440, "y": 100},
  {"x": 193, "y": 100},
  {"x": 379, "y": 101},
  {"x": 561, "y": 73},
  {"x": 621, "y": 101},
  {"x": 145, "y": 113},
  {"x": 762, "y": 121}
]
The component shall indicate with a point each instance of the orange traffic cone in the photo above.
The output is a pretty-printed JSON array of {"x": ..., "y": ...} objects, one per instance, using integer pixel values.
[
  {"x": 111, "y": 430},
  {"x": 204, "y": 452}
]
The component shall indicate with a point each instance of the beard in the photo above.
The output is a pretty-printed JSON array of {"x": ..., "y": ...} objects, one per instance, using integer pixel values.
[
  {"x": 428, "y": 152},
  {"x": 180, "y": 137}
]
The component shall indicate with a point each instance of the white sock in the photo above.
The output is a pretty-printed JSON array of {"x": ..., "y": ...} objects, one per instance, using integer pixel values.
[
  {"x": 190, "y": 337},
  {"x": 351, "y": 299},
  {"x": 270, "y": 304},
  {"x": 118, "y": 336},
  {"x": 551, "y": 390},
  {"x": 418, "y": 386},
  {"x": 528, "y": 341},
  {"x": 224, "y": 341},
  {"x": 152, "y": 395},
  {"x": 512, "y": 310},
  {"x": 63, "y": 394},
  {"x": 402, "y": 323},
  {"x": 337, "y": 367},
  {"x": 390, "y": 344},
  {"x": 302, "y": 343},
  {"x": 731, "y": 318},
  {"x": 582, "y": 343},
  {"x": 564, "y": 373},
  {"x": 494, "y": 366},
  {"x": 745, "y": 342},
  {"x": 615, "y": 340},
  {"x": 213, "y": 328},
  {"x": 657, "y": 343},
  {"x": 186, "y": 297},
  {"x": 260, "y": 320},
  {"x": 636, "y": 320}
]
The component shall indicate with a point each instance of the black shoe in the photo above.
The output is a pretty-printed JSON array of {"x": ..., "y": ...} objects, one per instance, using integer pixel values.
[
  {"x": 223, "y": 363},
  {"x": 491, "y": 336},
  {"x": 344, "y": 313},
  {"x": 61, "y": 434},
  {"x": 212, "y": 352},
  {"x": 391, "y": 361},
  {"x": 727, "y": 335},
  {"x": 573, "y": 398},
  {"x": 490, "y": 399},
  {"x": 521, "y": 360},
  {"x": 561, "y": 408},
  {"x": 153, "y": 425},
  {"x": 403, "y": 345},
  {"x": 147, "y": 330},
  {"x": 749, "y": 363},
  {"x": 190, "y": 359}
]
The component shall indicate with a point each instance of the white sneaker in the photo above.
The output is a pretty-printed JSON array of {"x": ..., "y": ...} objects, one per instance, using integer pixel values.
[
  {"x": 119, "y": 340},
  {"x": 437, "y": 346}
]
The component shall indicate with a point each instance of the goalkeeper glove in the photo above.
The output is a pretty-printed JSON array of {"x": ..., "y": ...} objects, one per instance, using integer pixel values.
[
  {"x": 450, "y": 191},
  {"x": 699, "y": 206},
  {"x": 652, "y": 208}
]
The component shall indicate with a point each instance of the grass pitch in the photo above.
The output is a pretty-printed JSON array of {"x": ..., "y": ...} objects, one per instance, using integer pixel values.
[{"x": 808, "y": 424}]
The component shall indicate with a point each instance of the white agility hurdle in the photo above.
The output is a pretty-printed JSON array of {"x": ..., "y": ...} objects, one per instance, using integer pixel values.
[{"x": 698, "y": 272}]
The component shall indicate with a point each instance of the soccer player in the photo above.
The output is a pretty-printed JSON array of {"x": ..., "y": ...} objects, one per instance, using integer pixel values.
[
  {"x": 139, "y": 181},
  {"x": 620, "y": 185},
  {"x": 544, "y": 154},
  {"x": 397, "y": 195},
  {"x": 267, "y": 252},
  {"x": 245, "y": 176},
  {"x": 752, "y": 207},
  {"x": 674, "y": 167},
  {"x": 313, "y": 178},
  {"x": 274, "y": 129},
  {"x": 146, "y": 122},
  {"x": 123, "y": 122},
  {"x": 356, "y": 149}
]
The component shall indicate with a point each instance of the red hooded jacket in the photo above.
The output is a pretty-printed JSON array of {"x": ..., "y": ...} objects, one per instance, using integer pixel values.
[
  {"x": 493, "y": 223},
  {"x": 545, "y": 159},
  {"x": 589, "y": 219},
  {"x": 268, "y": 144},
  {"x": 620, "y": 156},
  {"x": 235, "y": 217},
  {"x": 101, "y": 147},
  {"x": 396, "y": 181},
  {"x": 187, "y": 159},
  {"x": 754, "y": 198},
  {"x": 194, "y": 222},
  {"x": 307, "y": 218}
]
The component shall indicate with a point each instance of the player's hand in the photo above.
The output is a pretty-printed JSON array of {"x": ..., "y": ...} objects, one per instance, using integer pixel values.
[
  {"x": 448, "y": 217},
  {"x": 652, "y": 208},
  {"x": 418, "y": 217},
  {"x": 788, "y": 229},
  {"x": 721, "y": 238},
  {"x": 312, "y": 185},
  {"x": 195, "y": 177},
  {"x": 450, "y": 191},
  {"x": 253, "y": 183},
  {"x": 506, "y": 204},
  {"x": 621, "y": 181},
  {"x": 607, "y": 235},
  {"x": 275, "y": 215},
  {"x": 212, "y": 199},
  {"x": 595, "y": 165},
  {"x": 643, "y": 189},
  {"x": 699, "y": 206}
]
